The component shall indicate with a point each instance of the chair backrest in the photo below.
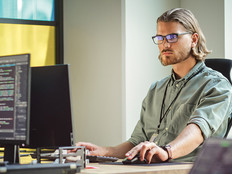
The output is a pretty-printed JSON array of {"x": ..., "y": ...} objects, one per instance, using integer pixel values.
[{"x": 224, "y": 66}]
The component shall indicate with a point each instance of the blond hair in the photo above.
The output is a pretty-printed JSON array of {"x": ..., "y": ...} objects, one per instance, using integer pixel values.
[{"x": 190, "y": 23}]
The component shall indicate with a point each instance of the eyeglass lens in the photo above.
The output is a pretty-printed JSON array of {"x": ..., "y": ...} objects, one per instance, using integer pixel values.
[{"x": 170, "y": 38}]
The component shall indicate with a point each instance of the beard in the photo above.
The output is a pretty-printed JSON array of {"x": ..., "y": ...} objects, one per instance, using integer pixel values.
[{"x": 174, "y": 58}]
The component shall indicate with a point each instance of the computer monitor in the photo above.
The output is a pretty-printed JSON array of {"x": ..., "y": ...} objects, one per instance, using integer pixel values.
[
  {"x": 51, "y": 121},
  {"x": 14, "y": 103}
]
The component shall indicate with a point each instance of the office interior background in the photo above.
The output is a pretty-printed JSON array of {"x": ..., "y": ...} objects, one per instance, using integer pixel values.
[{"x": 113, "y": 60}]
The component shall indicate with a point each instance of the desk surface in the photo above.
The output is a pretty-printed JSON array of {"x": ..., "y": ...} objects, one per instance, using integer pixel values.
[{"x": 157, "y": 169}]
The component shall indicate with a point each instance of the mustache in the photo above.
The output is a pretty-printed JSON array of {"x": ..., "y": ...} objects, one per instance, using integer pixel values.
[{"x": 166, "y": 50}]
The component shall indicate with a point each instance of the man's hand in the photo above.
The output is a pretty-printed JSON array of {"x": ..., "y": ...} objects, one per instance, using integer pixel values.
[
  {"x": 149, "y": 151},
  {"x": 93, "y": 149},
  {"x": 117, "y": 151}
]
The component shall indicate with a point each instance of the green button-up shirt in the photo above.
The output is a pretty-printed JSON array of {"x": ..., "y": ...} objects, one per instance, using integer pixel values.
[{"x": 202, "y": 97}]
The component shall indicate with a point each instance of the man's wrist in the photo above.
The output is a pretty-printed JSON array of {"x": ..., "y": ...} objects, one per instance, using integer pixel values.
[{"x": 168, "y": 149}]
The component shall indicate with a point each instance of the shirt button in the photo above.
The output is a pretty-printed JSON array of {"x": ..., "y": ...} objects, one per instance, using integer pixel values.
[
  {"x": 156, "y": 142},
  {"x": 177, "y": 85},
  {"x": 166, "y": 128}
]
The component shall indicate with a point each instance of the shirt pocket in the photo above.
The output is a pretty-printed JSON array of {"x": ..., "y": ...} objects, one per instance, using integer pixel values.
[{"x": 180, "y": 118}]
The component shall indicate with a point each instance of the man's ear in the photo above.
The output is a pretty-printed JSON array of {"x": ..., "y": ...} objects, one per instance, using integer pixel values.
[{"x": 195, "y": 37}]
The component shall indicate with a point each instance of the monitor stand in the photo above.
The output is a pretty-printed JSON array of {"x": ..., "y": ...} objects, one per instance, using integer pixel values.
[{"x": 11, "y": 154}]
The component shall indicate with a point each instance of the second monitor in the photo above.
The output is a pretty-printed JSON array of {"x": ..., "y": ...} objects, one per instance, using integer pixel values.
[{"x": 51, "y": 121}]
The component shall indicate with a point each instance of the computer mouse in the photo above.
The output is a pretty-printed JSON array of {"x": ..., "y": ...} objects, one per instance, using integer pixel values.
[{"x": 135, "y": 160}]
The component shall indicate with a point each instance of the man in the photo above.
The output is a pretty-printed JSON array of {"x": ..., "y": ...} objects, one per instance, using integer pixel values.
[{"x": 183, "y": 109}]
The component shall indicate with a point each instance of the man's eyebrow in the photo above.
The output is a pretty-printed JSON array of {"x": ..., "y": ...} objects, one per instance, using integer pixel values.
[{"x": 164, "y": 35}]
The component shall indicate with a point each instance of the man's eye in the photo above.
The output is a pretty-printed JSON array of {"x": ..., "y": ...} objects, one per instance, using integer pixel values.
[
  {"x": 159, "y": 38},
  {"x": 171, "y": 36}
]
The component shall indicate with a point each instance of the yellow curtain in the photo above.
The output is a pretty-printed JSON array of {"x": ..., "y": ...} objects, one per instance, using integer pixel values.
[{"x": 38, "y": 40}]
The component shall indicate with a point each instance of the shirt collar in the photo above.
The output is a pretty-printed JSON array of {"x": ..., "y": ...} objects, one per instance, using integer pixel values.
[{"x": 199, "y": 65}]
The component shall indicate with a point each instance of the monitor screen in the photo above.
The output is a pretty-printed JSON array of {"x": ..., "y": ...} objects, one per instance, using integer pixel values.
[
  {"x": 14, "y": 99},
  {"x": 51, "y": 122}
]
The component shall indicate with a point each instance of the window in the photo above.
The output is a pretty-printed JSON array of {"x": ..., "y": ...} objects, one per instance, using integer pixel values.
[
  {"x": 32, "y": 26},
  {"x": 27, "y": 9}
]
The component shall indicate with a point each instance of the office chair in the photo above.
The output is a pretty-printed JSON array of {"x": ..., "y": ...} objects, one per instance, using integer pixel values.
[{"x": 224, "y": 66}]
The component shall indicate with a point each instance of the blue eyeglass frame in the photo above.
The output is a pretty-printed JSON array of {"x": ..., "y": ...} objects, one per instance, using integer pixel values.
[{"x": 169, "y": 38}]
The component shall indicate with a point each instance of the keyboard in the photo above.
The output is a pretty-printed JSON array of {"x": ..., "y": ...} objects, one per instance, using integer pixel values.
[
  {"x": 46, "y": 168},
  {"x": 98, "y": 159}
]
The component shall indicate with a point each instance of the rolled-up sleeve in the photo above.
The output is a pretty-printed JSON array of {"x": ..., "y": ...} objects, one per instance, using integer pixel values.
[{"x": 212, "y": 109}]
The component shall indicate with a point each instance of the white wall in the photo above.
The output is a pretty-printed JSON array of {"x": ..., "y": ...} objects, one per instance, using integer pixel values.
[
  {"x": 228, "y": 36},
  {"x": 92, "y": 46},
  {"x": 228, "y": 28},
  {"x": 210, "y": 15}
]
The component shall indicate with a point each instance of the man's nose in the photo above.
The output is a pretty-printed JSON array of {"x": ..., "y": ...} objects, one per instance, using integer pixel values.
[{"x": 166, "y": 44}]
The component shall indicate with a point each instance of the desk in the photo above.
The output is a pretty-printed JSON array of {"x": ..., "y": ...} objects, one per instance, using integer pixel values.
[{"x": 156, "y": 169}]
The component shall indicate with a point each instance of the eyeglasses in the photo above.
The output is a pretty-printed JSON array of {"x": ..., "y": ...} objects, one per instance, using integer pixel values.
[{"x": 170, "y": 38}]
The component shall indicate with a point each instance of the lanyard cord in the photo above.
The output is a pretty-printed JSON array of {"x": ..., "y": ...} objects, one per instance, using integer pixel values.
[{"x": 169, "y": 107}]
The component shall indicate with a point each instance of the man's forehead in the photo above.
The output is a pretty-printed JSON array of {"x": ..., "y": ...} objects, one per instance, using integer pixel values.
[{"x": 169, "y": 27}]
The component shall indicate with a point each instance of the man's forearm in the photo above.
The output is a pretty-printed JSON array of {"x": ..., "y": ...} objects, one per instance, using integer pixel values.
[
  {"x": 119, "y": 150},
  {"x": 188, "y": 140}
]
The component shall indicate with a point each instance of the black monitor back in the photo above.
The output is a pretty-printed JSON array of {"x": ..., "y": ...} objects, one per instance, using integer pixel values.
[{"x": 51, "y": 122}]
